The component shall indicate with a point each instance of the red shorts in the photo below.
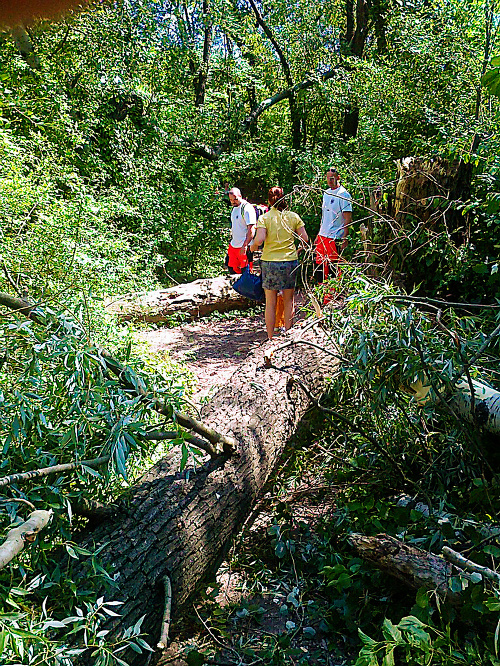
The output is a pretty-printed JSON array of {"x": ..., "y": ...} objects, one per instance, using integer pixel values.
[
  {"x": 236, "y": 260},
  {"x": 326, "y": 254}
]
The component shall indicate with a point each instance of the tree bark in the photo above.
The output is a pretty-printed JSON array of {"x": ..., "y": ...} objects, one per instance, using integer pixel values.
[
  {"x": 200, "y": 83},
  {"x": 194, "y": 299},
  {"x": 415, "y": 567},
  {"x": 180, "y": 525}
]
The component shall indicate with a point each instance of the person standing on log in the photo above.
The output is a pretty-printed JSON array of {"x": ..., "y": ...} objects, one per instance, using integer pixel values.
[
  {"x": 243, "y": 219},
  {"x": 278, "y": 229},
  {"x": 336, "y": 217}
]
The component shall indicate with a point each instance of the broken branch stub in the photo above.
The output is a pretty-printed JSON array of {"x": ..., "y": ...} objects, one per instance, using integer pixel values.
[{"x": 17, "y": 537}]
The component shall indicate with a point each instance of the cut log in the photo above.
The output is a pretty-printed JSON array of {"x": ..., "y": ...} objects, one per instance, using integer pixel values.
[
  {"x": 180, "y": 525},
  {"x": 193, "y": 299}
]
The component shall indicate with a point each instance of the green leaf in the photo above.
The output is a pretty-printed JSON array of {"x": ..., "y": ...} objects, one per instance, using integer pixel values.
[
  {"x": 391, "y": 632},
  {"x": 195, "y": 658},
  {"x": 366, "y": 639},
  {"x": 280, "y": 549}
]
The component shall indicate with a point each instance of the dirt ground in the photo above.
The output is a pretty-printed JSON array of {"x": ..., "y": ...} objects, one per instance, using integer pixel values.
[{"x": 213, "y": 348}]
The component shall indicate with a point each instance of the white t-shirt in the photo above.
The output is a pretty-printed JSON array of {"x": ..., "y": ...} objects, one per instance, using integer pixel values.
[
  {"x": 335, "y": 204},
  {"x": 240, "y": 222}
]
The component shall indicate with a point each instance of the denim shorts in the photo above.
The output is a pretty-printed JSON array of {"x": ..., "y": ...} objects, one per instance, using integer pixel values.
[{"x": 277, "y": 275}]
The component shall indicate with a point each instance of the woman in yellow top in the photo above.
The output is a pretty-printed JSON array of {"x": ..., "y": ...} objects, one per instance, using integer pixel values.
[{"x": 278, "y": 229}]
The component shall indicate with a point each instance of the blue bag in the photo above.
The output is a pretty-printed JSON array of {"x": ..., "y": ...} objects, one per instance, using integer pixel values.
[{"x": 249, "y": 285}]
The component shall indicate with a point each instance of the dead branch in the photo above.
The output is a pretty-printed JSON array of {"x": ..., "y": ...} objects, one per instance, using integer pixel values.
[
  {"x": 165, "y": 625},
  {"x": 162, "y": 435},
  {"x": 463, "y": 563},
  {"x": 415, "y": 567}
]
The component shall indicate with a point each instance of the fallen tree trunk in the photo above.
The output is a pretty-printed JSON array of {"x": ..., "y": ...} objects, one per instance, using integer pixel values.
[
  {"x": 180, "y": 525},
  {"x": 194, "y": 299}
]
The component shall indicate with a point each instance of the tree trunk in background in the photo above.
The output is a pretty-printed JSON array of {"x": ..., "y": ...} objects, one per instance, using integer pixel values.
[
  {"x": 194, "y": 299},
  {"x": 357, "y": 43},
  {"x": 25, "y": 46},
  {"x": 200, "y": 83},
  {"x": 181, "y": 527}
]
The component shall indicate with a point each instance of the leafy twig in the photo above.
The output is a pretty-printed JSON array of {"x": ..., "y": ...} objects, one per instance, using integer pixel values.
[{"x": 45, "y": 471}]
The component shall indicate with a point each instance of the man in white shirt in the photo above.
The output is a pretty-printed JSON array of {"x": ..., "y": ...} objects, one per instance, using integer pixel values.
[
  {"x": 336, "y": 218},
  {"x": 243, "y": 220}
]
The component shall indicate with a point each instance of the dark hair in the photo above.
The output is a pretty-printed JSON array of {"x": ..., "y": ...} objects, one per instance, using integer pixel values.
[
  {"x": 333, "y": 170},
  {"x": 276, "y": 199}
]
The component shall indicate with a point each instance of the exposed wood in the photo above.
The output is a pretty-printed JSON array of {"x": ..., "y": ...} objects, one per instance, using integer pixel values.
[
  {"x": 194, "y": 299},
  {"x": 180, "y": 525},
  {"x": 19, "y": 536}
]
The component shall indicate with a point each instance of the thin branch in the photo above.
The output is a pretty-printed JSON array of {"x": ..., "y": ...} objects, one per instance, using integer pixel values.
[
  {"x": 54, "y": 469},
  {"x": 214, "y": 152},
  {"x": 134, "y": 383},
  {"x": 484, "y": 345},
  {"x": 385, "y": 453},
  {"x": 441, "y": 304},
  {"x": 165, "y": 624},
  {"x": 19, "y": 499},
  {"x": 463, "y": 563},
  {"x": 162, "y": 435},
  {"x": 11, "y": 281},
  {"x": 463, "y": 358},
  {"x": 189, "y": 422}
]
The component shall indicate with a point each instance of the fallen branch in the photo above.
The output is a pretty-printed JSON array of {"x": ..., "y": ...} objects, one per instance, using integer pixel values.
[
  {"x": 165, "y": 624},
  {"x": 463, "y": 563},
  {"x": 20, "y": 305},
  {"x": 20, "y": 500},
  {"x": 24, "y": 533},
  {"x": 415, "y": 567},
  {"x": 186, "y": 421}
]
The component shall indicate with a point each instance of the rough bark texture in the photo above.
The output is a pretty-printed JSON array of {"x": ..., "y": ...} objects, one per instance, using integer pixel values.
[
  {"x": 194, "y": 299},
  {"x": 180, "y": 527},
  {"x": 423, "y": 183},
  {"x": 415, "y": 567}
]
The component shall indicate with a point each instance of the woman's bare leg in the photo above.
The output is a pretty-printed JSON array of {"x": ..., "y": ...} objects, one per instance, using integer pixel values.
[
  {"x": 271, "y": 298},
  {"x": 288, "y": 307}
]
